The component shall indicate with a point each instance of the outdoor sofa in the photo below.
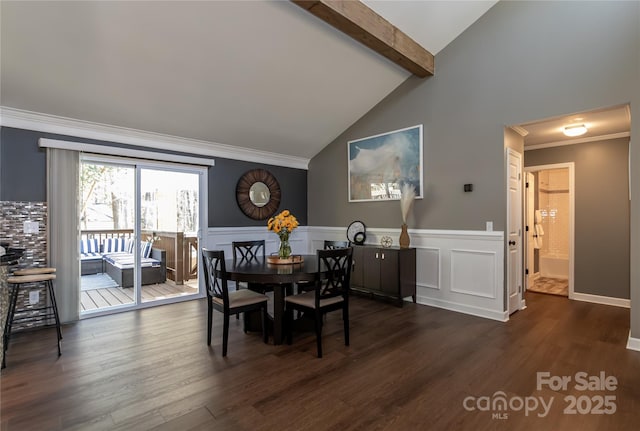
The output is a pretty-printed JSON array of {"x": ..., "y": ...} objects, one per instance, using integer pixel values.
[{"x": 115, "y": 257}]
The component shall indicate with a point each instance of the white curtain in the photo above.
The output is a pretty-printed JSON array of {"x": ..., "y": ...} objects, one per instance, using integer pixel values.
[{"x": 62, "y": 198}]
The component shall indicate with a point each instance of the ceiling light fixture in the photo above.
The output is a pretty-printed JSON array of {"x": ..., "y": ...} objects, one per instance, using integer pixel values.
[{"x": 575, "y": 130}]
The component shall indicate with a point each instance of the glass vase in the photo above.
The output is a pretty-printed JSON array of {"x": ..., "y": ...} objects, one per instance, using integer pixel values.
[{"x": 284, "y": 252}]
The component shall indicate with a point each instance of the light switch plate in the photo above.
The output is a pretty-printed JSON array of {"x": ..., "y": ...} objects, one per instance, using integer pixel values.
[{"x": 31, "y": 227}]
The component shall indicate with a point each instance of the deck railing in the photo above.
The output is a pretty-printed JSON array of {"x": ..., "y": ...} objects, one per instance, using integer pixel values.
[
  {"x": 181, "y": 249},
  {"x": 181, "y": 265},
  {"x": 101, "y": 235}
]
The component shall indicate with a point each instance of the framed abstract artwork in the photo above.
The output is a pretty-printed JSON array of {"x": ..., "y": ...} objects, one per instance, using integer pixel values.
[{"x": 379, "y": 165}]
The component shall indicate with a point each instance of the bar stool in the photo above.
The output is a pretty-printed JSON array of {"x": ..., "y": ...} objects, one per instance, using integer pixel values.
[
  {"x": 34, "y": 271},
  {"x": 19, "y": 279}
]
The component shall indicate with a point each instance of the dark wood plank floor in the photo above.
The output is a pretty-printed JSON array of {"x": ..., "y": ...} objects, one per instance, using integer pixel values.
[{"x": 406, "y": 369}]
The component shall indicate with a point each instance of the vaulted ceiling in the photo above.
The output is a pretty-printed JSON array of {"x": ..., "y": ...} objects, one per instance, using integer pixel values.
[{"x": 262, "y": 75}]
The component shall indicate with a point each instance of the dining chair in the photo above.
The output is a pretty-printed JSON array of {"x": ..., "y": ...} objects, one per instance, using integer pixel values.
[
  {"x": 248, "y": 250},
  {"x": 220, "y": 298},
  {"x": 305, "y": 286},
  {"x": 328, "y": 245},
  {"x": 331, "y": 292},
  {"x": 251, "y": 251}
]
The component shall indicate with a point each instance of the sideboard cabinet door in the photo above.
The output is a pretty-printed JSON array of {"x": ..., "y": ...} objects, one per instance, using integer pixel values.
[{"x": 385, "y": 272}]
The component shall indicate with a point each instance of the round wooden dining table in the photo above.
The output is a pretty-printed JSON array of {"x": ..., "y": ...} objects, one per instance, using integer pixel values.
[{"x": 280, "y": 276}]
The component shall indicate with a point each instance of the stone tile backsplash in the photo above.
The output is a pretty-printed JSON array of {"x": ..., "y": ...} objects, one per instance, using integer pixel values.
[{"x": 12, "y": 218}]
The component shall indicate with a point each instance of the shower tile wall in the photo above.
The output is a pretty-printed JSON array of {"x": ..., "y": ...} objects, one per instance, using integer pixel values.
[{"x": 553, "y": 203}]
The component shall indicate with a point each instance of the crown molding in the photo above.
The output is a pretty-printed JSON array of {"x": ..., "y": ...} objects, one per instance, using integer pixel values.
[
  {"x": 577, "y": 141},
  {"x": 627, "y": 109},
  {"x": 520, "y": 130},
  {"x": 21, "y": 119}
]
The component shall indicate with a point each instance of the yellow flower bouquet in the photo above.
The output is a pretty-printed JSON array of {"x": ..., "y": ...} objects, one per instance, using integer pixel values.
[{"x": 283, "y": 224}]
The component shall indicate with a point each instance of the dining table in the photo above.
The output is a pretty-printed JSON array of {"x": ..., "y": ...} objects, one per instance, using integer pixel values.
[{"x": 281, "y": 277}]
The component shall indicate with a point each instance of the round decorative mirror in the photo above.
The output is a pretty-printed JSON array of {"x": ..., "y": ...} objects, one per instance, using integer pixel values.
[{"x": 258, "y": 194}]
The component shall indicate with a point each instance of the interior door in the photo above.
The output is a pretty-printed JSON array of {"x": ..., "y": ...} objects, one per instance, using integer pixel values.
[
  {"x": 530, "y": 230},
  {"x": 514, "y": 230}
]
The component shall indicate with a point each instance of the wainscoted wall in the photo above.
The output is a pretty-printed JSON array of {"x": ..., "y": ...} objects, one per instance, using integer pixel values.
[
  {"x": 12, "y": 218},
  {"x": 456, "y": 270}
]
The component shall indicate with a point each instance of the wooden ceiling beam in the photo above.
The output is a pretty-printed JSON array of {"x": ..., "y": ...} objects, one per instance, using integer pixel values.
[{"x": 366, "y": 26}]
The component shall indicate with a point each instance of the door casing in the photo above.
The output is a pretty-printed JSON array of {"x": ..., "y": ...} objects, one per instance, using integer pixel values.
[{"x": 571, "y": 167}]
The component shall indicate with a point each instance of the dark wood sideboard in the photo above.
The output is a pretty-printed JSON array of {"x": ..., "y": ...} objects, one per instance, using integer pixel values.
[{"x": 385, "y": 272}]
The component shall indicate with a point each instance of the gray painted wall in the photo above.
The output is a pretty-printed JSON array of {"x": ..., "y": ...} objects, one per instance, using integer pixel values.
[
  {"x": 601, "y": 212},
  {"x": 514, "y": 141},
  {"x": 520, "y": 62},
  {"x": 24, "y": 166},
  {"x": 23, "y": 177},
  {"x": 222, "y": 196}
]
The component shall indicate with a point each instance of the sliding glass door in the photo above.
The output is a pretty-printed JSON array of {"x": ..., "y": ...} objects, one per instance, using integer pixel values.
[
  {"x": 169, "y": 220},
  {"x": 107, "y": 226},
  {"x": 140, "y": 225}
]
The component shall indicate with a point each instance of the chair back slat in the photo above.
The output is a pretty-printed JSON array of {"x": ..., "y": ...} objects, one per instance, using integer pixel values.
[
  {"x": 215, "y": 273},
  {"x": 335, "y": 281},
  {"x": 248, "y": 250},
  {"x": 330, "y": 245}
]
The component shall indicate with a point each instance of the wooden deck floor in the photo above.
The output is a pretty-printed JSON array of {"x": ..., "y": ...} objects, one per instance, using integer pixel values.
[
  {"x": 112, "y": 296},
  {"x": 406, "y": 369}
]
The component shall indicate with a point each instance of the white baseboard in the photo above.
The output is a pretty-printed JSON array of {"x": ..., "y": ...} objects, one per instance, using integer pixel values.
[
  {"x": 605, "y": 300},
  {"x": 633, "y": 343},
  {"x": 462, "y": 308}
]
